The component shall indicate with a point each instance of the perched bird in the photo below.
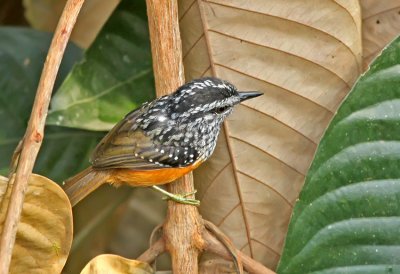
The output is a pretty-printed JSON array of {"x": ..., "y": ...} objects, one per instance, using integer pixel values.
[{"x": 162, "y": 140}]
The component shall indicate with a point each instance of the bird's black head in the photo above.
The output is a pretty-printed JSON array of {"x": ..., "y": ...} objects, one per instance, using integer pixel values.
[
  {"x": 208, "y": 96},
  {"x": 191, "y": 117}
]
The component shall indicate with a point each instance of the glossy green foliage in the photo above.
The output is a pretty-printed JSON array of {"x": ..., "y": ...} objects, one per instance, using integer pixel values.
[
  {"x": 22, "y": 55},
  {"x": 347, "y": 219},
  {"x": 65, "y": 151},
  {"x": 114, "y": 78}
]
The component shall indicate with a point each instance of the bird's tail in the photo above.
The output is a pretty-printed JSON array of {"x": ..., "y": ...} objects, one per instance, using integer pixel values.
[{"x": 84, "y": 183}]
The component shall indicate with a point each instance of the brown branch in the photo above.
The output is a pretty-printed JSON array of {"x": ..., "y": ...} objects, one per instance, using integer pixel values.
[
  {"x": 229, "y": 246},
  {"x": 183, "y": 230},
  {"x": 166, "y": 46},
  {"x": 183, "y": 225},
  {"x": 150, "y": 255},
  {"x": 216, "y": 247},
  {"x": 35, "y": 130},
  {"x": 156, "y": 232}
]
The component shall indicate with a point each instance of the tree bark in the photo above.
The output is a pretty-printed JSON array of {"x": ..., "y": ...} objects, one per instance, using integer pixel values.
[{"x": 183, "y": 226}]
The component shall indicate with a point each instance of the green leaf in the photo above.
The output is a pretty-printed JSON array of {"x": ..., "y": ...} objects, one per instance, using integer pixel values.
[
  {"x": 347, "y": 219},
  {"x": 22, "y": 55},
  {"x": 114, "y": 78},
  {"x": 64, "y": 151}
]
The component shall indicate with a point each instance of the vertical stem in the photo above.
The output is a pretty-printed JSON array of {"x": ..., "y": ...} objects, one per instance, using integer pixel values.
[
  {"x": 183, "y": 230},
  {"x": 35, "y": 130},
  {"x": 183, "y": 225},
  {"x": 166, "y": 45}
]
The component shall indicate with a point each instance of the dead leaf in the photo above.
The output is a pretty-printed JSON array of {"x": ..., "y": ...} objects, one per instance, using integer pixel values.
[
  {"x": 381, "y": 24},
  {"x": 44, "y": 15},
  {"x": 305, "y": 56},
  {"x": 113, "y": 264},
  {"x": 217, "y": 266},
  {"x": 95, "y": 227},
  {"x": 44, "y": 234}
]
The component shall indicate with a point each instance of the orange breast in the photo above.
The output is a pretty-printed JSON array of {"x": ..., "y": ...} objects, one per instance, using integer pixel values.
[{"x": 150, "y": 177}]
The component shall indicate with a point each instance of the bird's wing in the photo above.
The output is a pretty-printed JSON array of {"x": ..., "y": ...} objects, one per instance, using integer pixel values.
[{"x": 123, "y": 147}]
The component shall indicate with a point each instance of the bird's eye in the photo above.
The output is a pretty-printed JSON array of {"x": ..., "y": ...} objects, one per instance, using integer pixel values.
[{"x": 220, "y": 110}]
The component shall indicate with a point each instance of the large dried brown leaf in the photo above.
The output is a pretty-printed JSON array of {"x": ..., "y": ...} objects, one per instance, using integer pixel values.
[
  {"x": 44, "y": 234},
  {"x": 44, "y": 15},
  {"x": 216, "y": 266},
  {"x": 305, "y": 55},
  {"x": 113, "y": 264},
  {"x": 381, "y": 24}
]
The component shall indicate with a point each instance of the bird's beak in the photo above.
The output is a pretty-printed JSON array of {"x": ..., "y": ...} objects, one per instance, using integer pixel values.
[{"x": 248, "y": 95}]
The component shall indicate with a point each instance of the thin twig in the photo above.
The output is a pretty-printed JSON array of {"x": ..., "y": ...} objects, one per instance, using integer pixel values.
[
  {"x": 215, "y": 246},
  {"x": 222, "y": 238},
  {"x": 155, "y": 235},
  {"x": 35, "y": 130},
  {"x": 156, "y": 232},
  {"x": 153, "y": 252}
]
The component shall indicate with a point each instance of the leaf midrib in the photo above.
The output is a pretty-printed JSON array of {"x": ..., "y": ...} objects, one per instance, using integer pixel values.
[
  {"x": 104, "y": 92},
  {"x": 226, "y": 132}
]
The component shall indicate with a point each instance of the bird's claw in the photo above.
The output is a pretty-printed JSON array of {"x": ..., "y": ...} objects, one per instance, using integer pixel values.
[{"x": 179, "y": 198}]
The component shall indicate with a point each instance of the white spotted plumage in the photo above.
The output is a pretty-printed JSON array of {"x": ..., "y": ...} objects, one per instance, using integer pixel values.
[{"x": 183, "y": 127}]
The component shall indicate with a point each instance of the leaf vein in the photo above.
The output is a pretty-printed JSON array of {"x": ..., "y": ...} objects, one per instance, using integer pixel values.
[
  {"x": 292, "y": 21},
  {"x": 105, "y": 92},
  {"x": 288, "y": 53},
  {"x": 267, "y": 153},
  {"x": 225, "y": 125},
  {"x": 268, "y": 186},
  {"x": 275, "y": 85}
]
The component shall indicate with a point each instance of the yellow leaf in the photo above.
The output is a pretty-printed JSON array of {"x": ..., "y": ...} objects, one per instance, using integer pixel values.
[
  {"x": 113, "y": 264},
  {"x": 44, "y": 234},
  {"x": 304, "y": 56},
  {"x": 381, "y": 24}
]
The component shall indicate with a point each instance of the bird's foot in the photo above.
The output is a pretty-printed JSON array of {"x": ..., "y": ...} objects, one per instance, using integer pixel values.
[{"x": 179, "y": 198}]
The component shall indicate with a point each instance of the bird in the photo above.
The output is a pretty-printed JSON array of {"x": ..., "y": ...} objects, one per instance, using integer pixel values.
[{"x": 162, "y": 140}]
